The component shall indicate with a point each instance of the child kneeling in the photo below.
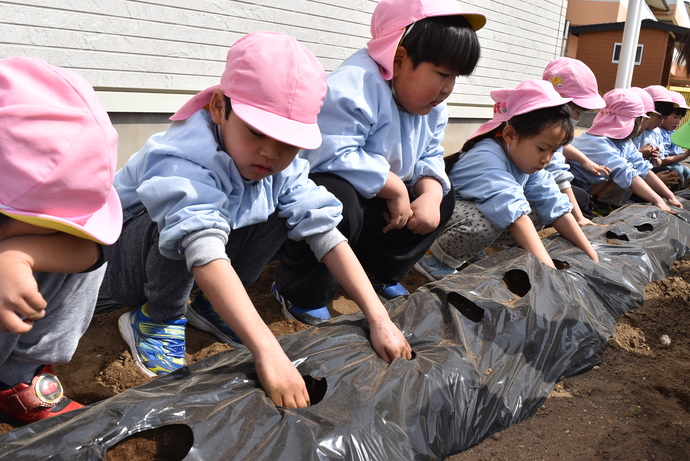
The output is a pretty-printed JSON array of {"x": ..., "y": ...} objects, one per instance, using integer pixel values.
[
  {"x": 210, "y": 202},
  {"x": 501, "y": 184},
  {"x": 57, "y": 208}
]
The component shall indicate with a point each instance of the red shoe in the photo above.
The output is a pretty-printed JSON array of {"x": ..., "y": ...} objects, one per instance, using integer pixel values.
[{"x": 41, "y": 399}]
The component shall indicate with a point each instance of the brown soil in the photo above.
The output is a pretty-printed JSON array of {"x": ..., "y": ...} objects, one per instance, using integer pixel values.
[{"x": 634, "y": 406}]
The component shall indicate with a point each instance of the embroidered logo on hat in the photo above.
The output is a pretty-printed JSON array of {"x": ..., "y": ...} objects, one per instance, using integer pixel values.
[{"x": 528, "y": 96}]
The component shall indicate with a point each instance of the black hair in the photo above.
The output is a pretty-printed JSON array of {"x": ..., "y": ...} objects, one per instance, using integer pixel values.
[
  {"x": 4, "y": 219},
  {"x": 664, "y": 108},
  {"x": 445, "y": 41},
  {"x": 526, "y": 125},
  {"x": 228, "y": 107},
  {"x": 679, "y": 111}
]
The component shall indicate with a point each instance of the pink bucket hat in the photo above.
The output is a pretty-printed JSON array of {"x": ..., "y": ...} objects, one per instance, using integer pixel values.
[
  {"x": 391, "y": 17},
  {"x": 617, "y": 119},
  {"x": 528, "y": 96},
  {"x": 58, "y": 151},
  {"x": 647, "y": 100},
  {"x": 679, "y": 100},
  {"x": 275, "y": 84},
  {"x": 573, "y": 79},
  {"x": 659, "y": 93}
]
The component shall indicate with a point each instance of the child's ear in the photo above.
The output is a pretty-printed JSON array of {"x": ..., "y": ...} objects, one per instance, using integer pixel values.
[
  {"x": 509, "y": 134},
  {"x": 400, "y": 54},
  {"x": 217, "y": 106}
]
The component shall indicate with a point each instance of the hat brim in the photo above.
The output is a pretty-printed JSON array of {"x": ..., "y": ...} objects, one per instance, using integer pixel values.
[
  {"x": 485, "y": 128},
  {"x": 593, "y": 103},
  {"x": 493, "y": 124},
  {"x": 681, "y": 137},
  {"x": 299, "y": 134},
  {"x": 104, "y": 226}
]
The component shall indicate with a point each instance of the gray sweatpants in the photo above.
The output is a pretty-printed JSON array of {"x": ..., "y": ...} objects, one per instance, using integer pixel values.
[
  {"x": 71, "y": 300},
  {"x": 138, "y": 272},
  {"x": 468, "y": 232}
]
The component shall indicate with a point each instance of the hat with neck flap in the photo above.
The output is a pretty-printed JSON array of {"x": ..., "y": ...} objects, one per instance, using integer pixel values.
[{"x": 391, "y": 18}]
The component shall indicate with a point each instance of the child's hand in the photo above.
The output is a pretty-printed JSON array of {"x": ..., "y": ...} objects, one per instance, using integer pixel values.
[
  {"x": 669, "y": 178},
  {"x": 399, "y": 212},
  {"x": 674, "y": 201},
  {"x": 647, "y": 150},
  {"x": 596, "y": 169},
  {"x": 282, "y": 382},
  {"x": 662, "y": 204},
  {"x": 426, "y": 214},
  {"x": 388, "y": 341},
  {"x": 582, "y": 222},
  {"x": 19, "y": 295}
]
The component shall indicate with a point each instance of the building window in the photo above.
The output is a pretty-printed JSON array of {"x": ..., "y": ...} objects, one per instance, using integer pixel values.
[{"x": 617, "y": 53}]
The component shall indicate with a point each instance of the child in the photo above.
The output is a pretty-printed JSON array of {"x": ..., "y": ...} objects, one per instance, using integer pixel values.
[
  {"x": 500, "y": 179},
  {"x": 608, "y": 142},
  {"x": 57, "y": 209},
  {"x": 648, "y": 139},
  {"x": 383, "y": 122},
  {"x": 573, "y": 79},
  {"x": 670, "y": 154},
  {"x": 211, "y": 200}
]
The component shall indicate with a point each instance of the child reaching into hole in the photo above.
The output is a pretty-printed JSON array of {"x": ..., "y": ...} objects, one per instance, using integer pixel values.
[
  {"x": 501, "y": 184},
  {"x": 210, "y": 201},
  {"x": 609, "y": 142}
]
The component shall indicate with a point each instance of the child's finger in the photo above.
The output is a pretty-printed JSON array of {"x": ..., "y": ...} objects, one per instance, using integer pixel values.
[{"x": 11, "y": 322}]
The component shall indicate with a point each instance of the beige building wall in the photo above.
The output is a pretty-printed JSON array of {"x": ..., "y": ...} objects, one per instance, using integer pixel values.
[
  {"x": 145, "y": 58},
  {"x": 585, "y": 12}
]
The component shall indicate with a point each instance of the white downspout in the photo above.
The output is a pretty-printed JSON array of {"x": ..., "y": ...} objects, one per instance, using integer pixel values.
[{"x": 631, "y": 35}]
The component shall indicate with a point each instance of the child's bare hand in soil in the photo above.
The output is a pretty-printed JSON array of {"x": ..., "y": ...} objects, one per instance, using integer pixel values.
[
  {"x": 282, "y": 382},
  {"x": 582, "y": 222},
  {"x": 388, "y": 341}
]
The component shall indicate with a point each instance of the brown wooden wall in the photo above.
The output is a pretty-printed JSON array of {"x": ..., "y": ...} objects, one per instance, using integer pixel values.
[{"x": 596, "y": 50}]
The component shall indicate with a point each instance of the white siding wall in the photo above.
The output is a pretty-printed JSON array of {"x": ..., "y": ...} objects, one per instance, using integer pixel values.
[{"x": 149, "y": 56}]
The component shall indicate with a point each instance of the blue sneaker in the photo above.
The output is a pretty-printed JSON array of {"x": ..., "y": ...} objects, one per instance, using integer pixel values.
[
  {"x": 308, "y": 316},
  {"x": 388, "y": 291},
  {"x": 433, "y": 269},
  {"x": 201, "y": 315},
  {"x": 157, "y": 348}
]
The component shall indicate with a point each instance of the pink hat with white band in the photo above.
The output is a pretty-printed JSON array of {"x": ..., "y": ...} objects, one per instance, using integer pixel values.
[
  {"x": 58, "y": 151},
  {"x": 391, "y": 18},
  {"x": 646, "y": 100},
  {"x": 573, "y": 79},
  {"x": 617, "y": 119},
  {"x": 275, "y": 84},
  {"x": 528, "y": 96}
]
